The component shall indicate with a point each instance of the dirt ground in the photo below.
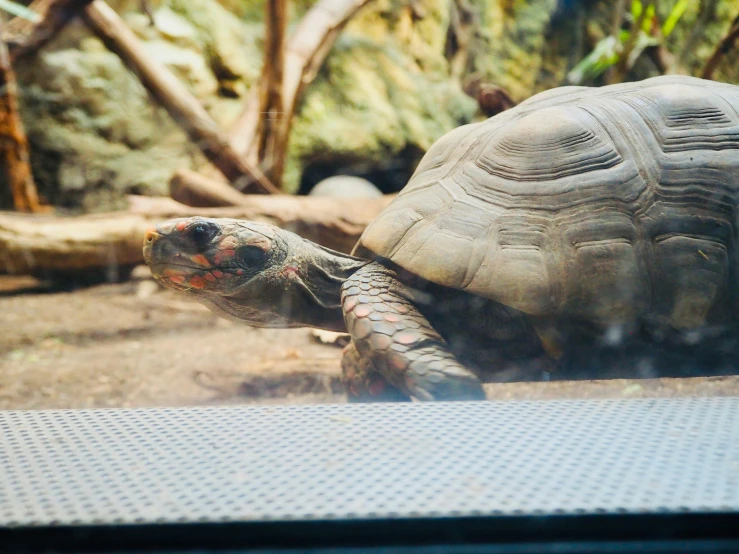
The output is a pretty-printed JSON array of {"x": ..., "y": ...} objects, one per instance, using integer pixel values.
[{"x": 135, "y": 345}]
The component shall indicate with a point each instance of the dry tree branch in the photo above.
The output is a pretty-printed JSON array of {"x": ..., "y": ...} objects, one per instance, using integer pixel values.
[
  {"x": 722, "y": 48},
  {"x": 39, "y": 244},
  {"x": 306, "y": 50},
  {"x": 271, "y": 105}
]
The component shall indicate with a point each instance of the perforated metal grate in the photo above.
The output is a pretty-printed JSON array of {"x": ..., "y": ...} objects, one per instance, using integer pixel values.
[{"x": 307, "y": 462}]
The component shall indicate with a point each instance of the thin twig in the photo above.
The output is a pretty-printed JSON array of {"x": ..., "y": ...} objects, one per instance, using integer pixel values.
[{"x": 724, "y": 45}]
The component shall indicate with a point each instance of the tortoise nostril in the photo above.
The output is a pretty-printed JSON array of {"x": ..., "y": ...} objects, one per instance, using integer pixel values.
[{"x": 151, "y": 235}]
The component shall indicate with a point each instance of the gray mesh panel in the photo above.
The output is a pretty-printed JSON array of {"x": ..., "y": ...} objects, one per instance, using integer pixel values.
[{"x": 307, "y": 462}]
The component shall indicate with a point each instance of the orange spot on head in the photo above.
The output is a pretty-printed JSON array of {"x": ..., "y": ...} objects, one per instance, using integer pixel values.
[
  {"x": 239, "y": 272},
  {"x": 210, "y": 277},
  {"x": 181, "y": 226},
  {"x": 218, "y": 274},
  {"x": 179, "y": 279},
  {"x": 197, "y": 282},
  {"x": 200, "y": 260}
]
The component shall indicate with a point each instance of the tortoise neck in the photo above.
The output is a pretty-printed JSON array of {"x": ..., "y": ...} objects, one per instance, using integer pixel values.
[{"x": 317, "y": 274}]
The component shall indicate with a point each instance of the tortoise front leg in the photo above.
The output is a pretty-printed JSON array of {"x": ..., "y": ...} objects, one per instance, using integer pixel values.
[
  {"x": 399, "y": 342},
  {"x": 363, "y": 382}
]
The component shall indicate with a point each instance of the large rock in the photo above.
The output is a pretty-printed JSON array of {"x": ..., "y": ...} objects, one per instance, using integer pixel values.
[{"x": 96, "y": 135}]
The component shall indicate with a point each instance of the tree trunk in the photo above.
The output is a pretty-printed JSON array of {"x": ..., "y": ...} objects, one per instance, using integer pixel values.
[
  {"x": 724, "y": 45},
  {"x": 173, "y": 96},
  {"x": 308, "y": 46},
  {"x": 13, "y": 141},
  {"x": 271, "y": 107},
  {"x": 49, "y": 245}
]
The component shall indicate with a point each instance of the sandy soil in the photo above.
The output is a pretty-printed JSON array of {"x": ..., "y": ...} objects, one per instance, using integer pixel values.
[{"x": 134, "y": 344}]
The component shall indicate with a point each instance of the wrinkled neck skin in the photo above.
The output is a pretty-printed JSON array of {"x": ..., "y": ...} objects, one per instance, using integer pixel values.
[{"x": 304, "y": 290}]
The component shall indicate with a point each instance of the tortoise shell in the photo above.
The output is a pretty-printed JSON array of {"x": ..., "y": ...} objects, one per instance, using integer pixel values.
[{"x": 597, "y": 203}]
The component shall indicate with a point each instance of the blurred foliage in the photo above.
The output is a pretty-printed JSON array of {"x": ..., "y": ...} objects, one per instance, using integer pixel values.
[{"x": 628, "y": 44}]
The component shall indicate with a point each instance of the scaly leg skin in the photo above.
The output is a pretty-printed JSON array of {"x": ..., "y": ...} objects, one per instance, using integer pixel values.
[
  {"x": 362, "y": 381},
  {"x": 391, "y": 333}
]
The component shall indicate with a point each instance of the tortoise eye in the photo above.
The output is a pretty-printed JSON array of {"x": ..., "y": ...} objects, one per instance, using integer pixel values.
[
  {"x": 252, "y": 258},
  {"x": 202, "y": 232}
]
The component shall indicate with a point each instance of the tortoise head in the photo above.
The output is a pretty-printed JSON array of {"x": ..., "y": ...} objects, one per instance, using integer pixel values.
[{"x": 252, "y": 272}]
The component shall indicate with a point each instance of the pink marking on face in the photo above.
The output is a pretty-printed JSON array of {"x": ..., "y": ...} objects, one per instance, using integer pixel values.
[
  {"x": 181, "y": 226},
  {"x": 218, "y": 274},
  {"x": 291, "y": 272},
  {"x": 239, "y": 272},
  {"x": 210, "y": 277},
  {"x": 392, "y": 318},
  {"x": 197, "y": 282},
  {"x": 200, "y": 260}
]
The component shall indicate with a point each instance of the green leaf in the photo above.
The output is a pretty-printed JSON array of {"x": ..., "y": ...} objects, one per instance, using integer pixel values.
[
  {"x": 604, "y": 55},
  {"x": 18, "y": 10},
  {"x": 675, "y": 14},
  {"x": 636, "y": 9},
  {"x": 646, "y": 25}
]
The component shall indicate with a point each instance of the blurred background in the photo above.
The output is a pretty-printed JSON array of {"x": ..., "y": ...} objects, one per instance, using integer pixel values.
[{"x": 122, "y": 113}]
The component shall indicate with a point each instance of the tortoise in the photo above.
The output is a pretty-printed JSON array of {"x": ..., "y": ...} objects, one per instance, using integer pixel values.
[{"x": 580, "y": 219}]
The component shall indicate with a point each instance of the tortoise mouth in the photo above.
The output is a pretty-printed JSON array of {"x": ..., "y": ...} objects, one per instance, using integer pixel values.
[{"x": 186, "y": 277}]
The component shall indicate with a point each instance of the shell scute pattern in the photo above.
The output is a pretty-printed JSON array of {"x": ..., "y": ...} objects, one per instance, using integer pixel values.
[
  {"x": 546, "y": 145},
  {"x": 683, "y": 119},
  {"x": 587, "y": 202}
]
